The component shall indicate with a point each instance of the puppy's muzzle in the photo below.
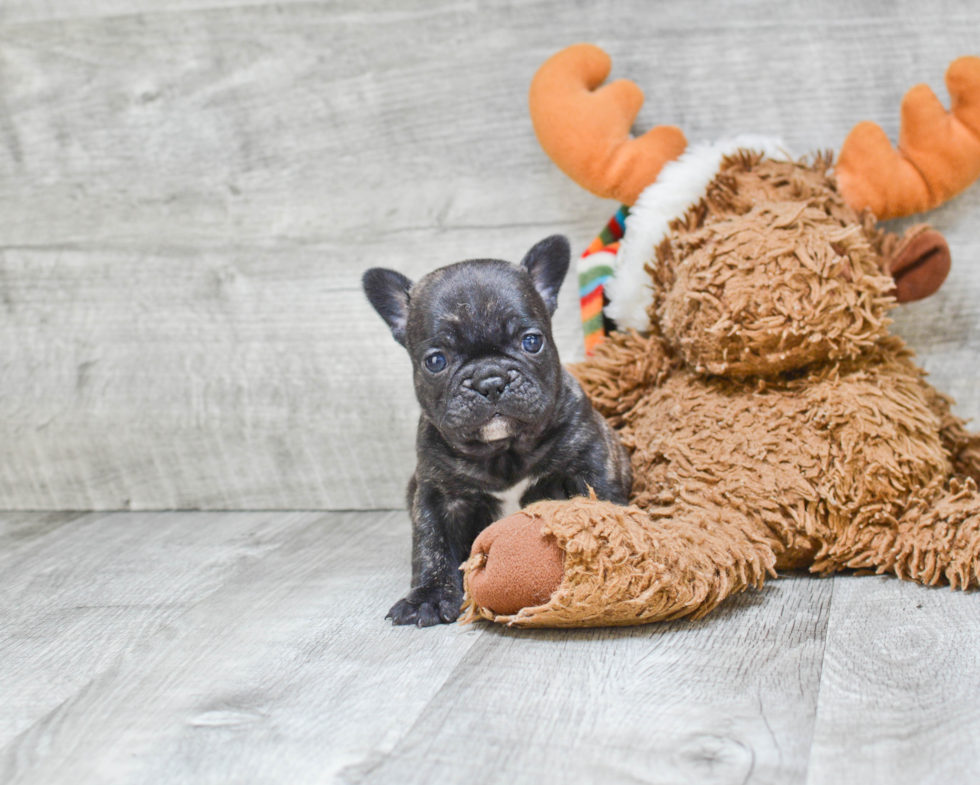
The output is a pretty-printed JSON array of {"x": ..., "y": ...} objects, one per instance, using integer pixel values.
[{"x": 491, "y": 386}]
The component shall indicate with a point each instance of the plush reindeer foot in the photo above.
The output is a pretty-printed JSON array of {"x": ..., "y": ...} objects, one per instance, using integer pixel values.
[
  {"x": 919, "y": 264},
  {"x": 589, "y": 563},
  {"x": 513, "y": 566}
]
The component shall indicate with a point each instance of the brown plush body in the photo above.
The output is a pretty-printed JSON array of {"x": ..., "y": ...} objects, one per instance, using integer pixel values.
[{"x": 772, "y": 420}]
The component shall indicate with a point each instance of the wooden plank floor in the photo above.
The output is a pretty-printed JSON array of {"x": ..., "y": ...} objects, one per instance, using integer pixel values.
[{"x": 251, "y": 647}]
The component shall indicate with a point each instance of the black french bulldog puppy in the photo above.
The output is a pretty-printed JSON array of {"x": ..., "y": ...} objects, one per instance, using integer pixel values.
[{"x": 502, "y": 425}]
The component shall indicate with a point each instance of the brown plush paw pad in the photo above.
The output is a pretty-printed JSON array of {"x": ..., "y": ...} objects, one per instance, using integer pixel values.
[{"x": 520, "y": 567}]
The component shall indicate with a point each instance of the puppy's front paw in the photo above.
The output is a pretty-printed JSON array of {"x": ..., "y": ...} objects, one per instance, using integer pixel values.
[{"x": 427, "y": 606}]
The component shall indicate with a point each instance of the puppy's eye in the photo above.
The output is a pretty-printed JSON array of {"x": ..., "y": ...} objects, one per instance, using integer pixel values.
[
  {"x": 532, "y": 343},
  {"x": 435, "y": 362}
]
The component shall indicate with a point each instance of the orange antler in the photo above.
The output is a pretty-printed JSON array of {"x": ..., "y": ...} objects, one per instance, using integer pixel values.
[
  {"x": 938, "y": 151},
  {"x": 587, "y": 131}
]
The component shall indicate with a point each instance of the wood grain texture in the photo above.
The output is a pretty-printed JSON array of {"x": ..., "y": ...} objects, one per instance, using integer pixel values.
[
  {"x": 251, "y": 647},
  {"x": 77, "y": 599},
  {"x": 730, "y": 699},
  {"x": 21, "y": 530},
  {"x": 192, "y": 189},
  {"x": 212, "y": 648},
  {"x": 900, "y": 690}
]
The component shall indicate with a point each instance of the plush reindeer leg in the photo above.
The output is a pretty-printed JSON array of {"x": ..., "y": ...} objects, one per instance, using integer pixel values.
[
  {"x": 936, "y": 538},
  {"x": 621, "y": 565},
  {"x": 939, "y": 540}
]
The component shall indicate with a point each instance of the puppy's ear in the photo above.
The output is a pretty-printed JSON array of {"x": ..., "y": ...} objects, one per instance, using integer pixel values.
[
  {"x": 547, "y": 262},
  {"x": 388, "y": 292}
]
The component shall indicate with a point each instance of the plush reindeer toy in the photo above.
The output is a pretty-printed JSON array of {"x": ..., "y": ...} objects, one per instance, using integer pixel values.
[{"x": 772, "y": 420}]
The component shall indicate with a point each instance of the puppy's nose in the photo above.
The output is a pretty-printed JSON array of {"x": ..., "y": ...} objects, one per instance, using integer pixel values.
[{"x": 491, "y": 387}]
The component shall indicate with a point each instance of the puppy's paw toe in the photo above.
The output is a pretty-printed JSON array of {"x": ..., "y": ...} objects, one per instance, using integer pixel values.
[
  {"x": 428, "y": 615},
  {"x": 403, "y": 612},
  {"x": 426, "y": 607},
  {"x": 449, "y": 610}
]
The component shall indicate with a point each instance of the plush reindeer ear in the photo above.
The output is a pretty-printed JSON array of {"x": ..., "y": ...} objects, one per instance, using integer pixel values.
[
  {"x": 919, "y": 264},
  {"x": 547, "y": 262},
  {"x": 388, "y": 291}
]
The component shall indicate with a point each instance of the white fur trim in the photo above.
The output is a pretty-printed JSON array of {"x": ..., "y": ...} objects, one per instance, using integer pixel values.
[{"x": 680, "y": 184}]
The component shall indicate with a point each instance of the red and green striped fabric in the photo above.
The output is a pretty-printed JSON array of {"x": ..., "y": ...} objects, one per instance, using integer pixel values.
[{"x": 594, "y": 270}]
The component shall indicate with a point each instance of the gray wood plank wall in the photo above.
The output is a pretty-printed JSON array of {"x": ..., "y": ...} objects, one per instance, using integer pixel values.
[{"x": 191, "y": 189}]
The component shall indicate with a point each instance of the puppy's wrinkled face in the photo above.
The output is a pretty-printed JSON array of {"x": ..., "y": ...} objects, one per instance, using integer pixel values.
[{"x": 485, "y": 366}]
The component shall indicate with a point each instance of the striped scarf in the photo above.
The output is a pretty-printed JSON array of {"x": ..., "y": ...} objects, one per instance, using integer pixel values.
[{"x": 595, "y": 268}]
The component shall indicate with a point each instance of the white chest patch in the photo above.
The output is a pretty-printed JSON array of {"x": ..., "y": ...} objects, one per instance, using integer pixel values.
[{"x": 510, "y": 499}]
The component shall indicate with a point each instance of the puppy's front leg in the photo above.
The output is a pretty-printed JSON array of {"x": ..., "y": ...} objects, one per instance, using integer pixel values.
[
  {"x": 607, "y": 486},
  {"x": 605, "y": 472},
  {"x": 439, "y": 544},
  {"x": 604, "y": 469}
]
